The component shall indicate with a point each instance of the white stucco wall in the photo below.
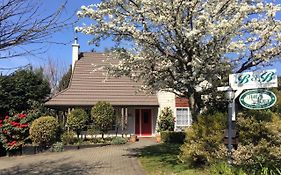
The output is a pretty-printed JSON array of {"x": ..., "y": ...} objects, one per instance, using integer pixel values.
[
  {"x": 166, "y": 99},
  {"x": 154, "y": 120}
]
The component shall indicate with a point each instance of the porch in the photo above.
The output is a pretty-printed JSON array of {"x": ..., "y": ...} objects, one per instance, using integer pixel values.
[
  {"x": 137, "y": 120},
  {"x": 140, "y": 121}
]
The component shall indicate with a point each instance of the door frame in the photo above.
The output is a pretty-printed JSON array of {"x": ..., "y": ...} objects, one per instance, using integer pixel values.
[{"x": 140, "y": 122}]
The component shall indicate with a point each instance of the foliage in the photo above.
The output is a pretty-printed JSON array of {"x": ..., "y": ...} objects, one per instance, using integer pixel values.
[
  {"x": 174, "y": 45},
  {"x": 43, "y": 130},
  {"x": 103, "y": 116},
  {"x": 119, "y": 140},
  {"x": 68, "y": 138},
  {"x": 98, "y": 140},
  {"x": 172, "y": 137},
  {"x": 20, "y": 90},
  {"x": 260, "y": 142},
  {"x": 65, "y": 80},
  {"x": 277, "y": 107},
  {"x": 92, "y": 131},
  {"x": 77, "y": 119},
  {"x": 225, "y": 169},
  {"x": 166, "y": 120},
  {"x": 204, "y": 143},
  {"x": 57, "y": 147},
  {"x": 14, "y": 130}
]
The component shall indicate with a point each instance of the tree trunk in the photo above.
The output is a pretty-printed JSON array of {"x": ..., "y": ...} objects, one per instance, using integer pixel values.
[{"x": 195, "y": 106}]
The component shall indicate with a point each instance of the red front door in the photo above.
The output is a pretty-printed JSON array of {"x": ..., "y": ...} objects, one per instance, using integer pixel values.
[{"x": 143, "y": 122}]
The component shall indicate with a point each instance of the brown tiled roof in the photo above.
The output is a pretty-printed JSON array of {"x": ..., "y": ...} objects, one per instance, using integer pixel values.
[{"x": 89, "y": 84}]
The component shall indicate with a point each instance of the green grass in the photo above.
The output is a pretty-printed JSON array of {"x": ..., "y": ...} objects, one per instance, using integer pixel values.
[{"x": 162, "y": 159}]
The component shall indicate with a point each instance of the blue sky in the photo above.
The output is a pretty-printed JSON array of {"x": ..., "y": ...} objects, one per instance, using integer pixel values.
[
  {"x": 59, "y": 52},
  {"x": 62, "y": 53}
]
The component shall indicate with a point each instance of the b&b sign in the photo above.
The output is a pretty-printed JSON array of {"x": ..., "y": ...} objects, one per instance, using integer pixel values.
[
  {"x": 257, "y": 99},
  {"x": 253, "y": 80}
]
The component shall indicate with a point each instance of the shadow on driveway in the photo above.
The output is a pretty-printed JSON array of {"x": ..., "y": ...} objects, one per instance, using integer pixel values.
[{"x": 58, "y": 167}]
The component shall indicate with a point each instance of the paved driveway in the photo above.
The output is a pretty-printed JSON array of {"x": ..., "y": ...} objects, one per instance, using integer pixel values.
[{"x": 107, "y": 160}]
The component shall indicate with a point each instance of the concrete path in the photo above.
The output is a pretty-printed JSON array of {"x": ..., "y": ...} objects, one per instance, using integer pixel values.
[{"x": 107, "y": 160}]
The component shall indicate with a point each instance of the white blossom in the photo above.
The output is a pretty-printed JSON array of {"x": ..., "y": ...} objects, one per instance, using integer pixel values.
[{"x": 179, "y": 44}]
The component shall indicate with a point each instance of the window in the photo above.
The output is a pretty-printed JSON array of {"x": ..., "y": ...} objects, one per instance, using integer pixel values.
[
  {"x": 145, "y": 117},
  {"x": 183, "y": 117}
]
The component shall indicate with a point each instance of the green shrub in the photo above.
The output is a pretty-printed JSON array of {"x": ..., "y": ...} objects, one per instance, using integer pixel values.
[
  {"x": 259, "y": 150},
  {"x": 166, "y": 120},
  {"x": 118, "y": 140},
  {"x": 172, "y": 137},
  {"x": 204, "y": 143},
  {"x": 98, "y": 140},
  {"x": 76, "y": 120},
  {"x": 43, "y": 130},
  {"x": 221, "y": 168},
  {"x": 103, "y": 116},
  {"x": 225, "y": 169},
  {"x": 92, "y": 131},
  {"x": 68, "y": 138},
  {"x": 57, "y": 147}
]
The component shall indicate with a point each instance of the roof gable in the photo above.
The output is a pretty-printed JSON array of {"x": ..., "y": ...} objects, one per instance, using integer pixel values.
[{"x": 90, "y": 84}]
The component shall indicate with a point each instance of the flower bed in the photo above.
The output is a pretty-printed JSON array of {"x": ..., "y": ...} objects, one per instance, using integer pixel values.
[{"x": 14, "y": 131}]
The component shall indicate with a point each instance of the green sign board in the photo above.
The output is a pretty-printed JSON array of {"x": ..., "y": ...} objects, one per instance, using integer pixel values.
[{"x": 257, "y": 99}]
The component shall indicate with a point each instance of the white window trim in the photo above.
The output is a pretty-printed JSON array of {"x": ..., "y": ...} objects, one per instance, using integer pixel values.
[{"x": 189, "y": 122}]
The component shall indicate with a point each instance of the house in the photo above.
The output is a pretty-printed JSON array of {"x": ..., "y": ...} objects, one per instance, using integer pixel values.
[{"x": 139, "y": 111}]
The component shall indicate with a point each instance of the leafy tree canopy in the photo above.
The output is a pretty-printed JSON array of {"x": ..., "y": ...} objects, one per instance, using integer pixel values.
[
  {"x": 166, "y": 120},
  {"x": 103, "y": 115},
  {"x": 19, "y": 90},
  {"x": 186, "y": 46},
  {"x": 77, "y": 119},
  {"x": 65, "y": 80}
]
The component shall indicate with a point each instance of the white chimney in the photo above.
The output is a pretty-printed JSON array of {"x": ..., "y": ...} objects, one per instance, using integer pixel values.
[{"x": 75, "y": 52}]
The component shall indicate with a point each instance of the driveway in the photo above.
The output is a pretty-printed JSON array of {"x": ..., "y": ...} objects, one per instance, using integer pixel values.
[{"x": 107, "y": 160}]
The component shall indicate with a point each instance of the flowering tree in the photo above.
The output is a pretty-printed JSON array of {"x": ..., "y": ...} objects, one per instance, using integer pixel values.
[
  {"x": 186, "y": 46},
  {"x": 14, "y": 130}
]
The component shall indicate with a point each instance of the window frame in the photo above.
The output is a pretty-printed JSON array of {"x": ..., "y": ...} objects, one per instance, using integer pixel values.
[{"x": 189, "y": 119}]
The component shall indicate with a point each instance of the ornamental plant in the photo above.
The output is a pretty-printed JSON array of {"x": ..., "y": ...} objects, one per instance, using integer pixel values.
[
  {"x": 76, "y": 120},
  {"x": 103, "y": 115},
  {"x": 43, "y": 130},
  {"x": 259, "y": 142},
  {"x": 204, "y": 143},
  {"x": 166, "y": 120},
  {"x": 14, "y": 130}
]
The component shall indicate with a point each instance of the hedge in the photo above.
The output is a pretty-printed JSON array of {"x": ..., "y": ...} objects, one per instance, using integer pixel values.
[{"x": 172, "y": 137}]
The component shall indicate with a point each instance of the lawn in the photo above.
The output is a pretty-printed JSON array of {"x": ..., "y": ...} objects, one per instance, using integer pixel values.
[{"x": 161, "y": 159}]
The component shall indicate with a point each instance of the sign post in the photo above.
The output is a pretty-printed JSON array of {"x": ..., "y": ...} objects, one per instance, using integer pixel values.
[{"x": 253, "y": 99}]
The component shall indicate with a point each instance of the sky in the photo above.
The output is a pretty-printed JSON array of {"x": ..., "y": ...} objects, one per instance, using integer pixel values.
[{"x": 61, "y": 53}]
